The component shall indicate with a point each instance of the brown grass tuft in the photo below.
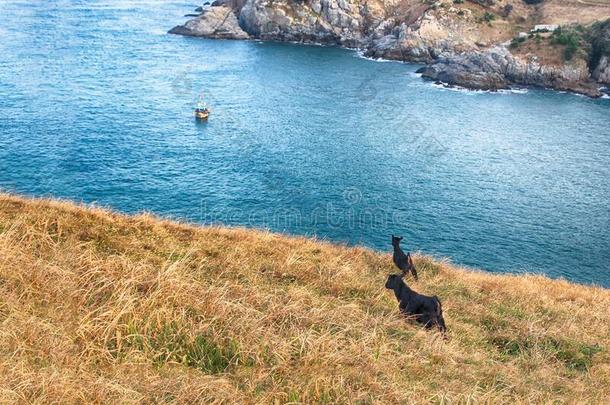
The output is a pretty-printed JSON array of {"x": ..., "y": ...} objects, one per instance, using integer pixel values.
[{"x": 97, "y": 307}]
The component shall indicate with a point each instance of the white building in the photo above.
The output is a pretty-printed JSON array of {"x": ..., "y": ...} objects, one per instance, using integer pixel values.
[{"x": 545, "y": 27}]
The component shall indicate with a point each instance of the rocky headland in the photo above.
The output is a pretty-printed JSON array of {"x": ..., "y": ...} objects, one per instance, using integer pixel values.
[{"x": 477, "y": 44}]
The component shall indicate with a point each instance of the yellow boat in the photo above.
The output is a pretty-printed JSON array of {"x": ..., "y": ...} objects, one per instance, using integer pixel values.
[{"x": 202, "y": 113}]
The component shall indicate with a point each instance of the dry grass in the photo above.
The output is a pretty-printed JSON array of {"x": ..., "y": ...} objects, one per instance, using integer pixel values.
[
  {"x": 547, "y": 54},
  {"x": 574, "y": 11},
  {"x": 97, "y": 307}
]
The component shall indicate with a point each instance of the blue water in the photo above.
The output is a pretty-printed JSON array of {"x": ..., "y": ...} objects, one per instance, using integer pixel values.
[{"x": 96, "y": 106}]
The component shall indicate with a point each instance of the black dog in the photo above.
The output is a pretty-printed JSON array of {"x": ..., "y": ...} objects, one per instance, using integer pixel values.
[
  {"x": 426, "y": 310},
  {"x": 401, "y": 260}
]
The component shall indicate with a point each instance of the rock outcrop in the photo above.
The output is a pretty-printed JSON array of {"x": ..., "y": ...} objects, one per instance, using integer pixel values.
[
  {"x": 215, "y": 22},
  {"x": 336, "y": 22},
  {"x": 497, "y": 68},
  {"x": 459, "y": 44},
  {"x": 600, "y": 51},
  {"x": 602, "y": 71}
]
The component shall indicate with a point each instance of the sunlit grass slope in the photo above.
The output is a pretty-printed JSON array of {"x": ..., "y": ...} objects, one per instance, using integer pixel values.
[{"x": 97, "y": 307}]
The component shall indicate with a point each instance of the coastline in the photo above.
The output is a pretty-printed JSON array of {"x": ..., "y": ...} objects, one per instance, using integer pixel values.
[{"x": 454, "y": 62}]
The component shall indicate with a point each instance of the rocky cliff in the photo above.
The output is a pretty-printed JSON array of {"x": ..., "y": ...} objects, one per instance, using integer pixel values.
[
  {"x": 219, "y": 22},
  {"x": 465, "y": 43},
  {"x": 497, "y": 68}
]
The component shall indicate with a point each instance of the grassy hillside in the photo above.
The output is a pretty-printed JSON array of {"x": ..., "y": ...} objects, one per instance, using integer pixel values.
[{"x": 100, "y": 307}]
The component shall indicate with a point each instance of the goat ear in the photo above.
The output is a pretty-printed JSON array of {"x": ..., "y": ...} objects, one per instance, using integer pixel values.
[{"x": 400, "y": 238}]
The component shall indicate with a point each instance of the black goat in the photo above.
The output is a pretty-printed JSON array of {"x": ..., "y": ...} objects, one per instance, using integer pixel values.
[
  {"x": 426, "y": 310},
  {"x": 401, "y": 260}
]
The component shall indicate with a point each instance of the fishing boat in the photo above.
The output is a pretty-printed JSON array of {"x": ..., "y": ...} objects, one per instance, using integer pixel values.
[{"x": 202, "y": 112}]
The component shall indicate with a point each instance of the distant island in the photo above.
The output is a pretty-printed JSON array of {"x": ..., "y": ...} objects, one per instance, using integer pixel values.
[{"x": 477, "y": 44}]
